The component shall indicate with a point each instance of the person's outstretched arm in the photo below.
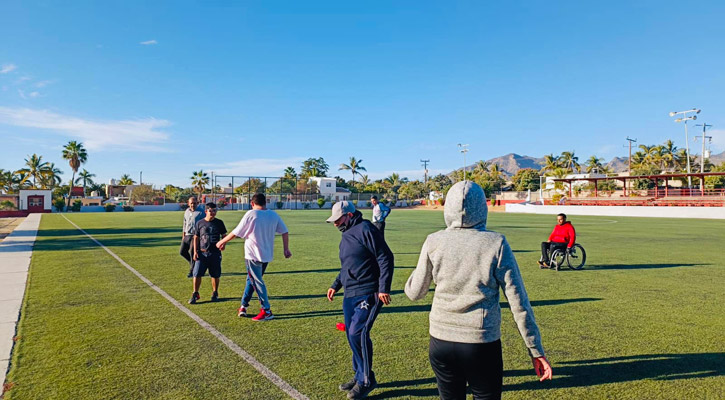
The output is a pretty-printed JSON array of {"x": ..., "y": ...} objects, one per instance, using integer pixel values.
[
  {"x": 419, "y": 281},
  {"x": 508, "y": 276}
]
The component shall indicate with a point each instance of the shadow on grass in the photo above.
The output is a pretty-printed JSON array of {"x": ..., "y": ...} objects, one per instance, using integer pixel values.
[
  {"x": 584, "y": 373},
  {"x": 625, "y": 369},
  {"x": 406, "y": 309},
  {"x": 635, "y": 266}
]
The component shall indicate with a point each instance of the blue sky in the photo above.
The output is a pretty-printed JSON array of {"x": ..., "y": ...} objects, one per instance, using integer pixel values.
[{"x": 249, "y": 88}]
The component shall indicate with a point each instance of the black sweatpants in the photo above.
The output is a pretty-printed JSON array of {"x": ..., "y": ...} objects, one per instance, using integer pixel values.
[
  {"x": 480, "y": 365},
  {"x": 186, "y": 250},
  {"x": 548, "y": 247},
  {"x": 381, "y": 227}
]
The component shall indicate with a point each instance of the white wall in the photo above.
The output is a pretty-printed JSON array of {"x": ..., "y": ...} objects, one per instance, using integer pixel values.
[
  {"x": 47, "y": 198},
  {"x": 622, "y": 211}
]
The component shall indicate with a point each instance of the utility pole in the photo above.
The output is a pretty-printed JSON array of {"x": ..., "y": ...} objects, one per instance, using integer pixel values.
[
  {"x": 140, "y": 178},
  {"x": 702, "y": 156},
  {"x": 629, "y": 165},
  {"x": 630, "y": 154},
  {"x": 425, "y": 171}
]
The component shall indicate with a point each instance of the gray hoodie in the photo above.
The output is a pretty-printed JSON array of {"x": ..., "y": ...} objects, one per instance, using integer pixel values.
[{"x": 468, "y": 265}]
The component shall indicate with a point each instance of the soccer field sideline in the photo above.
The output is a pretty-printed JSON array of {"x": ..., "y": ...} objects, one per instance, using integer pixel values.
[{"x": 264, "y": 370}]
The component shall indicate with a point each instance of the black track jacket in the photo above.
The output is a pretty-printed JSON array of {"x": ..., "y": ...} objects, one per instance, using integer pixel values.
[{"x": 366, "y": 260}]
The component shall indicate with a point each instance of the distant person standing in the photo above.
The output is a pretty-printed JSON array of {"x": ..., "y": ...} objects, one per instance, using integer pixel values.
[
  {"x": 366, "y": 273},
  {"x": 470, "y": 266},
  {"x": 207, "y": 256},
  {"x": 257, "y": 228},
  {"x": 380, "y": 213},
  {"x": 193, "y": 214}
]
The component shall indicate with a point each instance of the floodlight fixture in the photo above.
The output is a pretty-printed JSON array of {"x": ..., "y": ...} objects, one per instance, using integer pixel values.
[{"x": 684, "y": 119}]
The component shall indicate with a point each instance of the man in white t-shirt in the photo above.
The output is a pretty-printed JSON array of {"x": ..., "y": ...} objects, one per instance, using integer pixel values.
[{"x": 257, "y": 228}]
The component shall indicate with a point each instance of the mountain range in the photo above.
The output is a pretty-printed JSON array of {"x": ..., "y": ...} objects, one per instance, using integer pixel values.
[{"x": 512, "y": 163}]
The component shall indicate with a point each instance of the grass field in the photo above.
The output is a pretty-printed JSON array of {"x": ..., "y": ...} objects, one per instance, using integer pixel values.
[{"x": 643, "y": 320}]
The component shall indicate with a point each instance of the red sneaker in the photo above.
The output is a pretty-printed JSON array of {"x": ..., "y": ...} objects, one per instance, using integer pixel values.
[
  {"x": 263, "y": 316},
  {"x": 242, "y": 312}
]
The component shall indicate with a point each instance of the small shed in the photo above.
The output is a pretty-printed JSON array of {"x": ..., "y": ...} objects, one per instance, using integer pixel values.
[{"x": 36, "y": 200}]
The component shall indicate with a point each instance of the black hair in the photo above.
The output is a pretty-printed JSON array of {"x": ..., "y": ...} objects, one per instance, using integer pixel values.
[
  {"x": 210, "y": 206},
  {"x": 374, "y": 198},
  {"x": 259, "y": 199},
  {"x": 562, "y": 215}
]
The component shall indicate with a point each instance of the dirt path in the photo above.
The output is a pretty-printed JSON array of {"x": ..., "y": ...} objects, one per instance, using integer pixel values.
[{"x": 7, "y": 225}]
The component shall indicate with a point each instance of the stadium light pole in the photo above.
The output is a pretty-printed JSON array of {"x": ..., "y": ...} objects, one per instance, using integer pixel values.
[
  {"x": 702, "y": 156},
  {"x": 684, "y": 119},
  {"x": 464, "y": 150}
]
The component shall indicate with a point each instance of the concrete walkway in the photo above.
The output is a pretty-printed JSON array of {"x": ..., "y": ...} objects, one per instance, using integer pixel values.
[{"x": 15, "y": 252}]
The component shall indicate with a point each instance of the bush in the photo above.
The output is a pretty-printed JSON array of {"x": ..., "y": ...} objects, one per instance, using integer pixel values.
[
  {"x": 321, "y": 201},
  {"x": 7, "y": 205},
  {"x": 306, "y": 205},
  {"x": 127, "y": 208},
  {"x": 59, "y": 204},
  {"x": 183, "y": 206},
  {"x": 221, "y": 203},
  {"x": 370, "y": 203},
  {"x": 354, "y": 202},
  {"x": 279, "y": 205},
  {"x": 110, "y": 207},
  {"x": 76, "y": 207}
]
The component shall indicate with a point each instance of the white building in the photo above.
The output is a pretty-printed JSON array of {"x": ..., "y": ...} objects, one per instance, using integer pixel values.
[
  {"x": 327, "y": 188},
  {"x": 36, "y": 201}
]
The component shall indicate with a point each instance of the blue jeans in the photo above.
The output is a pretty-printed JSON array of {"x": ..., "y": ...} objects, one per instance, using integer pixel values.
[
  {"x": 360, "y": 313},
  {"x": 255, "y": 283}
]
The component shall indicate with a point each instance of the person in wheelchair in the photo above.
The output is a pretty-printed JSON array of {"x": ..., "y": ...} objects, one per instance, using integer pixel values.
[{"x": 562, "y": 237}]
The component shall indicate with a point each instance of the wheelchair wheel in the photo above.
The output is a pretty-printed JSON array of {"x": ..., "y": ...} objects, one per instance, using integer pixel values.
[
  {"x": 576, "y": 257},
  {"x": 558, "y": 258}
]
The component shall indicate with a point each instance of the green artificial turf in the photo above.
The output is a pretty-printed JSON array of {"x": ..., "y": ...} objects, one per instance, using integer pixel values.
[{"x": 643, "y": 319}]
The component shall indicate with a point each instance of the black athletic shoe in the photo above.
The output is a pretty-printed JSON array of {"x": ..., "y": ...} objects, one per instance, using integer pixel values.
[
  {"x": 194, "y": 297},
  {"x": 361, "y": 392},
  {"x": 214, "y": 296},
  {"x": 347, "y": 386}
]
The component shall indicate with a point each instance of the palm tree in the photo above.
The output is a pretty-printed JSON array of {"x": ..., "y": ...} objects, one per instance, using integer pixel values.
[
  {"x": 51, "y": 177},
  {"x": 594, "y": 163},
  {"x": 35, "y": 167},
  {"x": 85, "y": 177},
  {"x": 76, "y": 155},
  {"x": 354, "y": 167},
  {"x": 481, "y": 167},
  {"x": 6, "y": 180},
  {"x": 669, "y": 154},
  {"x": 551, "y": 163},
  {"x": 290, "y": 173},
  {"x": 199, "y": 179},
  {"x": 569, "y": 161},
  {"x": 126, "y": 180},
  {"x": 364, "y": 181}
]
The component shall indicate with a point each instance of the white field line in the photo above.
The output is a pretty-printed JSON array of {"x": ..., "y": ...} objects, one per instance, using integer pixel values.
[{"x": 268, "y": 373}]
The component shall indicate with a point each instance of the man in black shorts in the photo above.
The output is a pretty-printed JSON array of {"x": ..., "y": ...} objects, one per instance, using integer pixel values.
[{"x": 207, "y": 256}]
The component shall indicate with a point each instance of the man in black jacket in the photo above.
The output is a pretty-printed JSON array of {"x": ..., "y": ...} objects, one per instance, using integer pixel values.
[{"x": 366, "y": 274}]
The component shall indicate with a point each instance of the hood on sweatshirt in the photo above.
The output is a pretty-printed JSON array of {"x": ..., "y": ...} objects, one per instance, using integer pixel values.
[{"x": 465, "y": 206}]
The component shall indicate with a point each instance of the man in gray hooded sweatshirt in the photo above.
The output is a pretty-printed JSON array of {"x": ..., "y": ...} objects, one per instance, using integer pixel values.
[{"x": 469, "y": 266}]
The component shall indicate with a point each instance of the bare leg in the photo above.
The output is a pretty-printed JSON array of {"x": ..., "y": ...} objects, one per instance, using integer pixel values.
[{"x": 215, "y": 284}]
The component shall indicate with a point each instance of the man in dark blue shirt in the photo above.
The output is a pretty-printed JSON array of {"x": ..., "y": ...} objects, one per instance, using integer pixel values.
[
  {"x": 366, "y": 274},
  {"x": 207, "y": 256}
]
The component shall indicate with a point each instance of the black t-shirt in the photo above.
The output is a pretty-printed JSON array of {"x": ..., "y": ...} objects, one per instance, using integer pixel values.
[{"x": 210, "y": 233}]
